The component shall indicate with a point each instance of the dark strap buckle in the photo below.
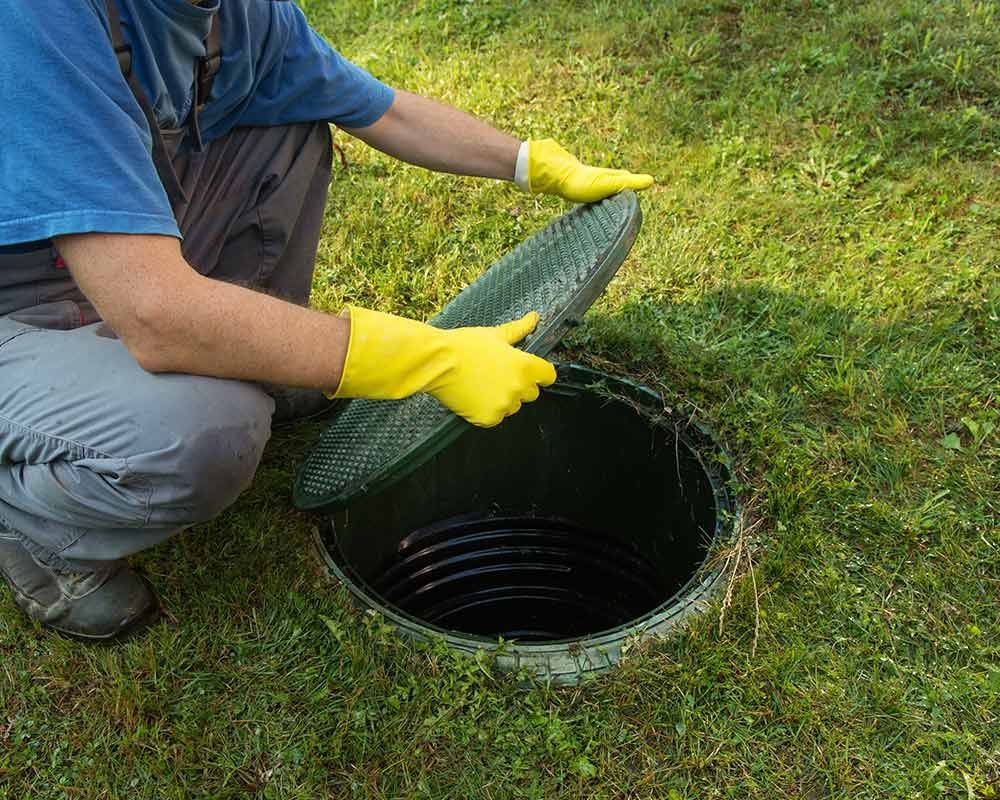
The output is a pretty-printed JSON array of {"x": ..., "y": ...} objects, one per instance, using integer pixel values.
[{"x": 208, "y": 66}]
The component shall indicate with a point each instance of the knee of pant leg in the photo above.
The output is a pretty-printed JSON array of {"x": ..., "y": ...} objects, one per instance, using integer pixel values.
[
  {"x": 217, "y": 466},
  {"x": 213, "y": 459}
]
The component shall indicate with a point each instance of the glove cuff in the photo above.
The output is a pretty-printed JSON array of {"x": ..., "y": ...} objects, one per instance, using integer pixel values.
[
  {"x": 335, "y": 394},
  {"x": 390, "y": 357},
  {"x": 521, "y": 168}
]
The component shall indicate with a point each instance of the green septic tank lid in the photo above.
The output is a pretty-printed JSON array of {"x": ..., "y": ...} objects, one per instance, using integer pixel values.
[{"x": 558, "y": 272}]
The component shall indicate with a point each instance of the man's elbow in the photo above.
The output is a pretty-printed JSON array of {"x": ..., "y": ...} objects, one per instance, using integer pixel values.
[
  {"x": 153, "y": 358},
  {"x": 146, "y": 334}
]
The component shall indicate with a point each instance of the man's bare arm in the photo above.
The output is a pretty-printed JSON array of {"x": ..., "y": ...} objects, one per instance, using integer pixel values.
[
  {"x": 172, "y": 319},
  {"x": 436, "y": 136},
  {"x": 439, "y": 137}
]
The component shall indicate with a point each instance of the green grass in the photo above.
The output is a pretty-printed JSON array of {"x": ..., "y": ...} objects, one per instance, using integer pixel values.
[{"x": 818, "y": 277}]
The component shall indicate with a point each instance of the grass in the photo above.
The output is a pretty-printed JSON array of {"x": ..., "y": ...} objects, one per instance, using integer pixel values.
[{"x": 818, "y": 277}]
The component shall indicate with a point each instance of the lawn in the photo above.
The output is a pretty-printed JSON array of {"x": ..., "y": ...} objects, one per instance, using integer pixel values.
[{"x": 818, "y": 277}]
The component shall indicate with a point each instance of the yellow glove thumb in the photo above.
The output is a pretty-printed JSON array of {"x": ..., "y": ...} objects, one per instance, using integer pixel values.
[{"x": 515, "y": 331}]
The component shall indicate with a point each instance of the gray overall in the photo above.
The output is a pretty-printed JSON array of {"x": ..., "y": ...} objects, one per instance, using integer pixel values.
[{"x": 98, "y": 458}]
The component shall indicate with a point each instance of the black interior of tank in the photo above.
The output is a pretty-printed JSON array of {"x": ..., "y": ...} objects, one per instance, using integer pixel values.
[{"x": 575, "y": 516}]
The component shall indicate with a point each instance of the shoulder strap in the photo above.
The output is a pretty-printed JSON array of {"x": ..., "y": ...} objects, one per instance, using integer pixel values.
[
  {"x": 122, "y": 50},
  {"x": 161, "y": 159},
  {"x": 204, "y": 74},
  {"x": 209, "y": 65}
]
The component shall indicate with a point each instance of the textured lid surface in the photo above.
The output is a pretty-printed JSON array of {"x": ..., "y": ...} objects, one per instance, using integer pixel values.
[{"x": 558, "y": 272}]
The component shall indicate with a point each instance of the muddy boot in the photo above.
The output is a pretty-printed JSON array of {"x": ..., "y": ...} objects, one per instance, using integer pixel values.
[{"x": 110, "y": 603}]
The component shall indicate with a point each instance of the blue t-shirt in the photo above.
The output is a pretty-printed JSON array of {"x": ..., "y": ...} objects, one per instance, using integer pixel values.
[{"x": 75, "y": 147}]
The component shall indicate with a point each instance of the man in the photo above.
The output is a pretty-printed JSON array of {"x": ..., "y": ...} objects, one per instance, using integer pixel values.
[{"x": 160, "y": 208}]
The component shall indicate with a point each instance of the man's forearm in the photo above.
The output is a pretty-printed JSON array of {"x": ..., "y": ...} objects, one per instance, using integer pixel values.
[
  {"x": 228, "y": 331},
  {"x": 174, "y": 320},
  {"x": 436, "y": 136}
]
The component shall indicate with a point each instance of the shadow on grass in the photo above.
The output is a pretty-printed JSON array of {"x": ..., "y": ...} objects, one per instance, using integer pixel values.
[{"x": 755, "y": 338}]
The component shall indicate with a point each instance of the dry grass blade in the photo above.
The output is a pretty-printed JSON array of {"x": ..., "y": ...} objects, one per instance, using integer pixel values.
[{"x": 736, "y": 559}]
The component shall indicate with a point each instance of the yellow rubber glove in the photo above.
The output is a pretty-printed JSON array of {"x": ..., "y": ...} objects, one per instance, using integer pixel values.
[
  {"x": 552, "y": 170},
  {"x": 473, "y": 371}
]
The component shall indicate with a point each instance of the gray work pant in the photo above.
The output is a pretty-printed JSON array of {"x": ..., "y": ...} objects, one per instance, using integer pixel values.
[{"x": 100, "y": 459}]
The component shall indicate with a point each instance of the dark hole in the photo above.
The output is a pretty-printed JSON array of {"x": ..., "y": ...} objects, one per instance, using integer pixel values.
[{"x": 576, "y": 516}]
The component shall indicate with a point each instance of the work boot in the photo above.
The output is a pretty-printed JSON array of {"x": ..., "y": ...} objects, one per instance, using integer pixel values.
[
  {"x": 110, "y": 603},
  {"x": 294, "y": 405}
]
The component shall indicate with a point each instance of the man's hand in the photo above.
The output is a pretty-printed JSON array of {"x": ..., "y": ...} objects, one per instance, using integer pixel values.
[
  {"x": 439, "y": 137},
  {"x": 552, "y": 170},
  {"x": 473, "y": 371}
]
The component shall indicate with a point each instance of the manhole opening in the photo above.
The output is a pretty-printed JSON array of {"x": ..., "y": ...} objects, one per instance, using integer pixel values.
[{"x": 580, "y": 515}]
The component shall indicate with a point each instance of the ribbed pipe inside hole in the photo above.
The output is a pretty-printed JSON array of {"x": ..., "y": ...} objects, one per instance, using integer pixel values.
[
  {"x": 579, "y": 515},
  {"x": 524, "y": 578}
]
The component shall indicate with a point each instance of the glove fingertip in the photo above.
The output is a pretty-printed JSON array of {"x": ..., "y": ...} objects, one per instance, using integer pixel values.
[{"x": 547, "y": 374}]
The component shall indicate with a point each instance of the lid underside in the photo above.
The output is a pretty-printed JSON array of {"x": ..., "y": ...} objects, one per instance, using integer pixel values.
[{"x": 558, "y": 272}]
